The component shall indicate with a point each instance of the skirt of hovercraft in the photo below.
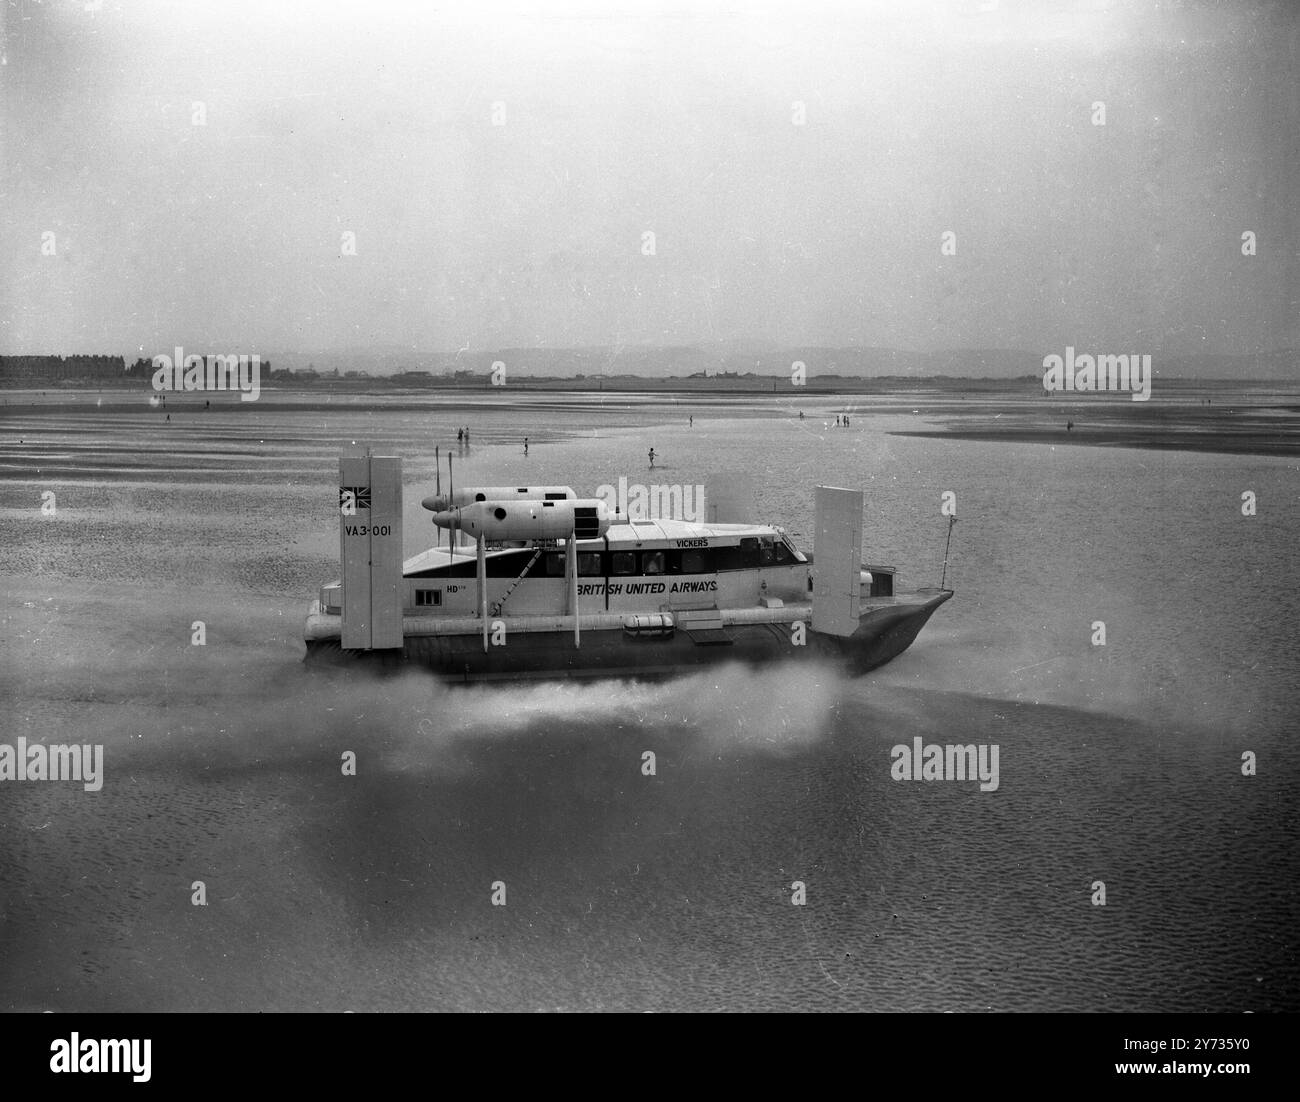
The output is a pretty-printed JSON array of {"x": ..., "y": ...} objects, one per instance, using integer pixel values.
[{"x": 883, "y": 634}]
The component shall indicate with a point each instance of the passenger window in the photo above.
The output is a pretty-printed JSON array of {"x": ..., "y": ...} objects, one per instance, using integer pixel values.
[
  {"x": 749, "y": 551},
  {"x": 693, "y": 562},
  {"x": 555, "y": 564},
  {"x": 783, "y": 554},
  {"x": 624, "y": 562},
  {"x": 589, "y": 564},
  {"x": 726, "y": 558},
  {"x": 652, "y": 562},
  {"x": 765, "y": 554}
]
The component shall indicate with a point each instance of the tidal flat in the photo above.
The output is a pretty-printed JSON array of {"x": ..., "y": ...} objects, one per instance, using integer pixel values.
[{"x": 1120, "y": 763}]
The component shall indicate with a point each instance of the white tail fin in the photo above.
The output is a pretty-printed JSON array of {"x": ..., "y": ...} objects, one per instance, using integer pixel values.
[
  {"x": 370, "y": 540},
  {"x": 837, "y": 561}
]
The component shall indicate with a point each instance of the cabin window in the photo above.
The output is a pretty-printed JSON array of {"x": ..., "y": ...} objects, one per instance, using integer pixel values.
[
  {"x": 726, "y": 558},
  {"x": 555, "y": 564},
  {"x": 752, "y": 552},
  {"x": 694, "y": 562},
  {"x": 624, "y": 562},
  {"x": 652, "y": 562},
  {"x": 589, "y": 564},
  {"x": 428, "y": 597}
]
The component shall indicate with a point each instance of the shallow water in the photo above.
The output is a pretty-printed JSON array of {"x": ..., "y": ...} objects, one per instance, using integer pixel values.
[{"x": 1119, "y": 763}]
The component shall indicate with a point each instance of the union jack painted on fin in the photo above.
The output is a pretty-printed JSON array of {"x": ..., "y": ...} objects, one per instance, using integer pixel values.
[{"x": 357, "y": 496}]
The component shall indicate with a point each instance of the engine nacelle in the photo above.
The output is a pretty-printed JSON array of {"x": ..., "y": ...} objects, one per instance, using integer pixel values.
[
  {"x": 502, "y": 521},
  {"x": 442, "y": 502}
]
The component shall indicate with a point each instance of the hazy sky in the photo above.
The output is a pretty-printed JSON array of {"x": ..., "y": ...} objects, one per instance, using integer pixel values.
[{"x": 376, "y": 119}]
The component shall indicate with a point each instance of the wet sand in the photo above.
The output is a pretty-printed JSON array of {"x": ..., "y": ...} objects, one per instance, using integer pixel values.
[
  {"x": 1262, "y": 423},
  {"x": 327, "y": 892},
  {"x": 1235, "y": 443}
]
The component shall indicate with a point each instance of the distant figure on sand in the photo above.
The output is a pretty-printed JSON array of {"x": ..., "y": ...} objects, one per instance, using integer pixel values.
[
  {"x": 1069, "y": 426},
  {"x": 460, "y": 436},
  {"x": 652, "y": 459},
  {"x": 692, "y": 420},
  {"x": 801, "y": 415},
  {"x": 525, "y": 445}
]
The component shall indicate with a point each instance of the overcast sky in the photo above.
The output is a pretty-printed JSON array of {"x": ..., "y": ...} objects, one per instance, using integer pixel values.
[{"x": 376, "y": 119}]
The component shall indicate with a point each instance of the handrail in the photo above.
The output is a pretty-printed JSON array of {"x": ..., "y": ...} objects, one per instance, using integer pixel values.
[{"x": 497, "y": 606}]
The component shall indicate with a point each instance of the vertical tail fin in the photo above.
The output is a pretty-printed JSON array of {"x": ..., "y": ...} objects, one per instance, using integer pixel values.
[
  {"x": 370, "y": 541},
  {"x": 837, "y": 561}
]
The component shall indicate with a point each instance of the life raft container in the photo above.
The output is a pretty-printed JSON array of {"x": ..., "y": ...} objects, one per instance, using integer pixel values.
[{"x": 649, "y": 625}]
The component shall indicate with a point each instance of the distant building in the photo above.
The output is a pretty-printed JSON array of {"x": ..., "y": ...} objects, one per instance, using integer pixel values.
[{"x": 35, "y": 371}]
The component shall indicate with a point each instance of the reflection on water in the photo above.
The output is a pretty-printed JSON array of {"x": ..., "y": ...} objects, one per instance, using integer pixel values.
[{"x": 1119, "y": 763}]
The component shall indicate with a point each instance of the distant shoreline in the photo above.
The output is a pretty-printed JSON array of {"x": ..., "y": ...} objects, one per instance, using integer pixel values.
[{"x": 742, "y": 386}]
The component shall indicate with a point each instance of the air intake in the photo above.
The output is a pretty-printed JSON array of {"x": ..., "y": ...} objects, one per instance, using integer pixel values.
[{"x": 586, "y": 523}]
